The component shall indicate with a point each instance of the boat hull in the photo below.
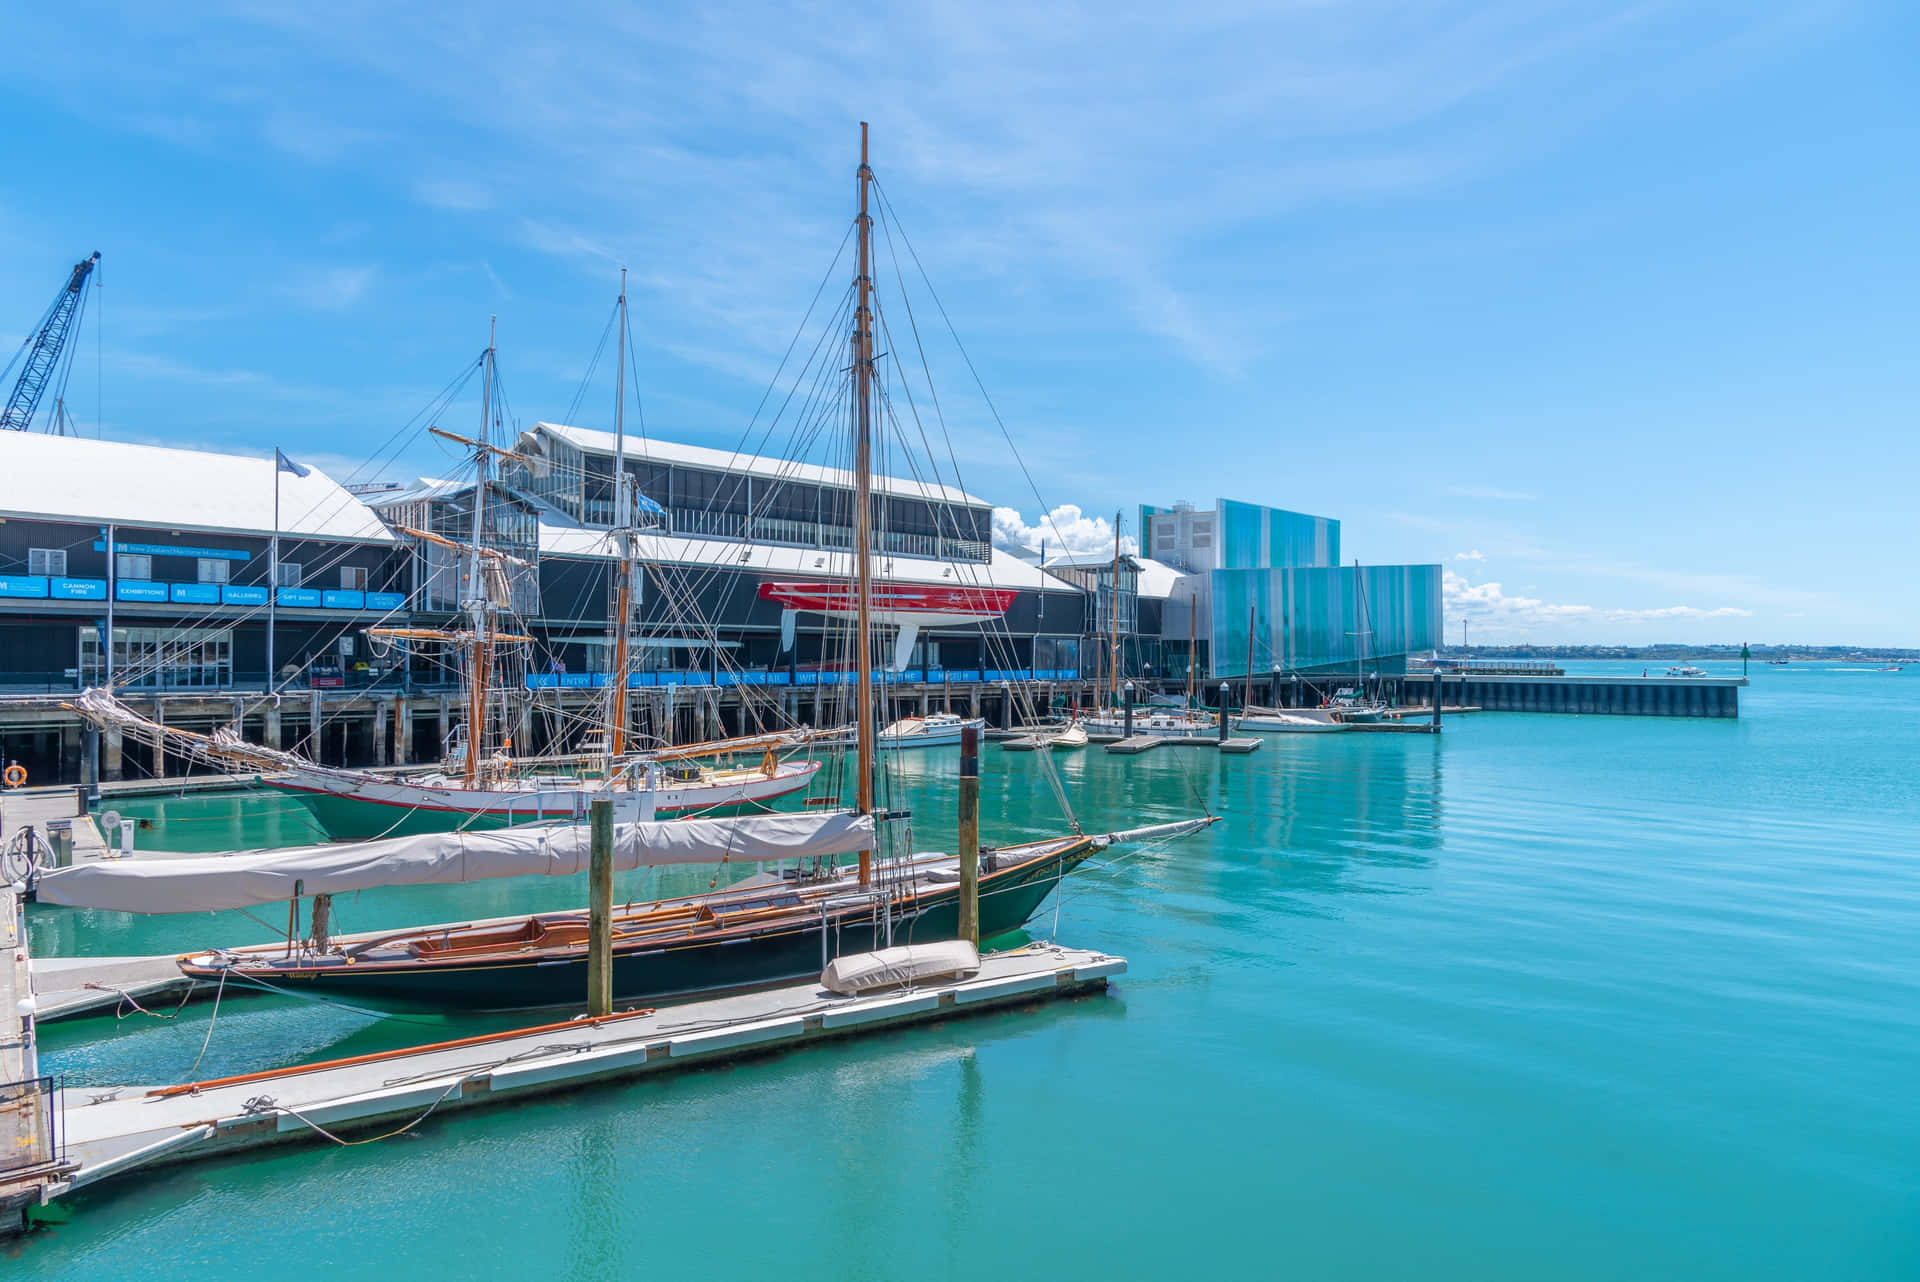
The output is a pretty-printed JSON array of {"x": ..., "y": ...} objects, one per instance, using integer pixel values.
[
  {"x": 395, "y": 808},
  {"x": 652, "y": 971}
]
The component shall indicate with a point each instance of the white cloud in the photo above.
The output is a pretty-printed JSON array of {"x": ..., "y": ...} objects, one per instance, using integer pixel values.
[
  {"x": 1489, "y": 603},
  {"x": 1474, "y": 555},
  {"x": 1065, "y": 529}
]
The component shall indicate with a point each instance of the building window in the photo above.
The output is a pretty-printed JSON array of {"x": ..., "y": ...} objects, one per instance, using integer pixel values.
[
  {"x": 133, "y": 565},
  {"x": 51, "y": 561},
  {"x": 213, "y": 569},
  {"x": 289, "y": 574},
  {"x": 160, "y": 658},
  {"x": 353, "y": 578}
]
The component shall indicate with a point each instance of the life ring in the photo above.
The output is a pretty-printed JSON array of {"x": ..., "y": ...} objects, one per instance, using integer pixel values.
[
  {"x": 769, "y": 764},
  {"x": 16, "y": 775}
]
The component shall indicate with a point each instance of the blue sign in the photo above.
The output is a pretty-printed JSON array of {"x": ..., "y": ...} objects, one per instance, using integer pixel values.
[
  {"x": 386, "y": 600},
  {"x": 340, "y": 599},
  {"x": 196, "y": 594},
  {"x": 309, "y": 597},
  {"x": 243, "y": 596},
  {"x": 139, "y": 590},
  {"x": 79, "y": 589},
  {"x": 33, "y": 585},
  {"x": 165, "y": 549}
]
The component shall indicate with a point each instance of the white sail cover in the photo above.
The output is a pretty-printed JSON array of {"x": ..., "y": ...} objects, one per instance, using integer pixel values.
[{"x": 203, "y": 883}]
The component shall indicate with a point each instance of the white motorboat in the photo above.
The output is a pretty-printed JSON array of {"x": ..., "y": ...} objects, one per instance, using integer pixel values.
[
  {"x": 935, "y": 730},
  {"x": 1686, "y": 670}
]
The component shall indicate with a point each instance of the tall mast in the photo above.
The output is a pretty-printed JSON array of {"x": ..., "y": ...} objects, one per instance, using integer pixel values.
[
  {"x": 1193, "y": 637},
  {"x": 863, "y": 508},
  {"x": 480, "y": 604},
  {"x": 1246, "y": 699},
  {"x": 623, "y": 592}
]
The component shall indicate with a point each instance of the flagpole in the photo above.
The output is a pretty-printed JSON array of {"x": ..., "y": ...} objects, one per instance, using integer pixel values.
[{"x": 273, "y": 567}]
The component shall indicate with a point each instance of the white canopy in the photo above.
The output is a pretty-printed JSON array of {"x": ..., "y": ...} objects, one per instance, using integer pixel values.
[{"x": 157, "y": 884}]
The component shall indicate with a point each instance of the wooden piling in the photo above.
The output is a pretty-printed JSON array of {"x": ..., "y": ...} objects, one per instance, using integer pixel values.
[
  {"x": 600, "y": 909},
  {"x": 970, "y": 835}
]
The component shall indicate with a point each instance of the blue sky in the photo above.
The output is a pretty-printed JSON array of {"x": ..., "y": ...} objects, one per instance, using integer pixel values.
[{"x": 1611, "y": 308}]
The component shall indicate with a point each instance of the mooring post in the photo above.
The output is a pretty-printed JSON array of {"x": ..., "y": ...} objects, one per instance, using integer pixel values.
[
  {"x": 1128, "y": 734},
  {"x": 1225, "y": 694},
  {"x": 1439, "y": 695},
  {"x": 600, "y": 910},
  {"x": 970, "y": 835}
]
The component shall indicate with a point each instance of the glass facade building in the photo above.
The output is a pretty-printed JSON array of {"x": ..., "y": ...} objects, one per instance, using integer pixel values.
[{"x": 1275, "y": 576}]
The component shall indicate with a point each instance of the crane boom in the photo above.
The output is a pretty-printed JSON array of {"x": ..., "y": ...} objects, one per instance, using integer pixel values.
[{"x": 43, "y": 349}]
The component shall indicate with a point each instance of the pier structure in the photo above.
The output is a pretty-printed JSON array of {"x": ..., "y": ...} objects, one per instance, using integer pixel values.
[{"x": 1583, "y": 695}]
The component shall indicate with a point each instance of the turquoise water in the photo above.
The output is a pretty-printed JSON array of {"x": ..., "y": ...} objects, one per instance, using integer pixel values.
[{"x": 1568, "y": 997}]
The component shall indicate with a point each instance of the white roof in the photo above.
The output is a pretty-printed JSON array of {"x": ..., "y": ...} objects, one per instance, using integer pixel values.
[
  {"x": 66, "y": 478},
  {"x": 1003, "y": 571},
  {"x": 773, "y": 469},
  {"x": 1156, "y": 577}
]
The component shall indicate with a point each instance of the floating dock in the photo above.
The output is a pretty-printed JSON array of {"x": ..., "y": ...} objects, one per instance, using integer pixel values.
[
  {"x": 115, "y": 1133},
  {"x": 1148, "y": 742},
  {"x": 70, "y": 1138}
]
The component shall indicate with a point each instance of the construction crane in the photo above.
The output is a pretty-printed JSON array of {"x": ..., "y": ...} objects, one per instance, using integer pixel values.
[{"x": 42, "y": 350}]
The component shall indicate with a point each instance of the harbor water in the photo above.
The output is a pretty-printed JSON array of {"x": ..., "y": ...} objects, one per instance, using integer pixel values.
[{"x": 1540, "y": 997}]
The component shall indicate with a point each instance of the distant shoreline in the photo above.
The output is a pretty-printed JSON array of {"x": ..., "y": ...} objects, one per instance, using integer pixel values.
[{"x": 1716, "y": 653}]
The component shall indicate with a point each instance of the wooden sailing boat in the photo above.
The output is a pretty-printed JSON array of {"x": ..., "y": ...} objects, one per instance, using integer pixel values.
[
  {"x": 478, "y": 788},
  {"x": 764, "y": 930}
]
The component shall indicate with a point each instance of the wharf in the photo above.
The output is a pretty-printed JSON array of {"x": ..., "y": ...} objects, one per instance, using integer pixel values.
[
  {"x": 1586, "y": 695},
  {"x": 110, "y": 1133}
]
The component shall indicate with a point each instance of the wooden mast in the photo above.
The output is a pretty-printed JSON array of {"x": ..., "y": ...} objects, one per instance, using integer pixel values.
[
  {"x": 482, "y": 654},
  {"x": 864, "y": 728},
  {"x": 622, "y": 520}
]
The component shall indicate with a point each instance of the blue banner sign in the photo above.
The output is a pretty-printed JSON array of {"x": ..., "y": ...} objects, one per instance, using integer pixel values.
[
  {"x": 309, "y": 597},
  {"x": 386, "y": 600},
  {"x": 78, "y": 589},
  {"x": 243, "y": 596},
  {"x": 139, "y": 590},
  {"x": 341, "y": 599},
  {"x": 28, "y": 585},
  {"x": 196, "y": 593},
  {"x": 167, "y": 549}
]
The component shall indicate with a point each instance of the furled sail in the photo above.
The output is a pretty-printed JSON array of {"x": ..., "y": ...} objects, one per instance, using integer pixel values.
[{"x": 161, "y": 884}]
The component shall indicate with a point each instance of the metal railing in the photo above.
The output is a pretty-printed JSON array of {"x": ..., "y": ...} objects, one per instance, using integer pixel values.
[
  {"x": 815, "y": 534},
  {"x": 29, "y": 1124}
]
